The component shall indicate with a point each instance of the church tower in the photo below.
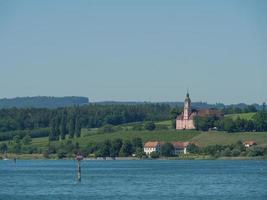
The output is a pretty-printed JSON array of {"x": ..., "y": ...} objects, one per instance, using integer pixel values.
[{"x": 187, "y": 107}]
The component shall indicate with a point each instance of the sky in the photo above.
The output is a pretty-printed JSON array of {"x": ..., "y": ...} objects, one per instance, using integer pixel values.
[{"x": 137, "y": 50}]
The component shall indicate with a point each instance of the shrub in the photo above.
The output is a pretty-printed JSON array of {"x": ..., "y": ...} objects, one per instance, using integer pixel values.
[
  {"x": 46, "y": 153},
  {"x": 256, "y": 151},
  {"x": 26, "y": 140},
  {"x": 167, "y": 149},
  {"x": 150, "y": 126},
  {"x": 235, "y": 152},
  {"x": 61, "y": 154},
  {"x": 154, "y": 155},
  {"x": 227, "y": 152},
  {"x": 192, "y": 148}
]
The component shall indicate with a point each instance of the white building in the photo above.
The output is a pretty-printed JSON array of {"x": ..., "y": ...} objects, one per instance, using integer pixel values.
[
  {"x": 154, "y": 146},
  {"x": 150, "y": 147}
]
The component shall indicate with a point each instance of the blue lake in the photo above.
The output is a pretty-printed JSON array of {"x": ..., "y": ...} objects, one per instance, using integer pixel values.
[{"x": 132, "y": 180}]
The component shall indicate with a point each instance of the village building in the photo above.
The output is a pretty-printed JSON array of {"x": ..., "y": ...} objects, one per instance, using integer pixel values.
[
  {"x": 249, "y": 143},
  {"x": 186, "y": 119},
  {"x": 155, "y": 146},
  {"x": 150, "y": 147},
  {"x": 180, "y": 147}
]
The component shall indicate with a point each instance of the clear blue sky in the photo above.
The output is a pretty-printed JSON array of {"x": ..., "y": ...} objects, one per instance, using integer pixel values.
[{"x": 135, "y": 50}]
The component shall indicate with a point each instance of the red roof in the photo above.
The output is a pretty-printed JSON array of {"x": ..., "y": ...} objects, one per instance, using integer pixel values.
[
  {"x": 250, "y": 142},
  {"x": 151, "y": 144},
  {"x": 180, "y": 145},
  {"x": 176, "y": 145}
]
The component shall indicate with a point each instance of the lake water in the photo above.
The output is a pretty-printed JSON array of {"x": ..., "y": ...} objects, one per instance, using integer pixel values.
[{"x": 132, "y": 180}]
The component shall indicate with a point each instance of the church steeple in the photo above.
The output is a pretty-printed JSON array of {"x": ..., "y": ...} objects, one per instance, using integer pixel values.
[{"x": 187, "y": 106}]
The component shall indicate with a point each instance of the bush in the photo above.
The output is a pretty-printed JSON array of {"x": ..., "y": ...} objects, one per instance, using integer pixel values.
[
  {"x": 227, "y": 152},
  {"x": 236, "y": 152},
  {"x": 46, "y": 153},
  {"x": 140, "y": 153},
  {"x": 29, "y": 149},
  {"x": 150, "y": 126},
  {"x": 154, "y": 155},
  {"x": 167, "y": 149},
  {"x": 3, "y": 147},
  {"x": 61, "y": 154},
  {"x": 138, "y": 127},
  {"x": 26, "y": 140},
  {"x": 256, "y": 151},
  {"x": 192, "y": 148}
]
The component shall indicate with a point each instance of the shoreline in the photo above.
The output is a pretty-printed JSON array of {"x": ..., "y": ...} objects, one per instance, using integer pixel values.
[{"x": 193, "y": 157}]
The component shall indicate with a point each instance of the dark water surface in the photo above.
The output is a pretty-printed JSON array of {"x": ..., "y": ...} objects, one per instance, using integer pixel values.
[{"x": 134, "y": 180}]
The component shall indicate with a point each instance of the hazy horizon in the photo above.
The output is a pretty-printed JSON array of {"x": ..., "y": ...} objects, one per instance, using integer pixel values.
[{"x": 135, "y": 51}]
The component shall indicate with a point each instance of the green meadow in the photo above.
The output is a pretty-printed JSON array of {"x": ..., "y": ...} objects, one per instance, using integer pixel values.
[{"x": 246, "y": 116}]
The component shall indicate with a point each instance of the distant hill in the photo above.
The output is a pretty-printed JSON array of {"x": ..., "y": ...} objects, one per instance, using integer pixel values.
[
  {"x": 42, "y": 102},
  {"x": 196, "y": 105}
]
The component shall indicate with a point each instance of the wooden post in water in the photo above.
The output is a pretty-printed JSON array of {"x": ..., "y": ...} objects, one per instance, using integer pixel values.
[{"x": 79, "y": 158}]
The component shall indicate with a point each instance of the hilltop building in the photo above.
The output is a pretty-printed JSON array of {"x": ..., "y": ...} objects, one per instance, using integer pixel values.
[{"x": 186, "y": 119}]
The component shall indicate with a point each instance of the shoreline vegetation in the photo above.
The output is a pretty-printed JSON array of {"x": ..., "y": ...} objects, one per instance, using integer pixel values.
[
  {"x": 121, "y": 131},
  {"x": 12, "y": 156}
]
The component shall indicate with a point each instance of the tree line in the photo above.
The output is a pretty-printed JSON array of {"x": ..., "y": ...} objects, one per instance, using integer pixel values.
[
  {"x": 257, "y": 123},
  {"x": 69, "y": 120},
  {"x": 232, "y": 150}
]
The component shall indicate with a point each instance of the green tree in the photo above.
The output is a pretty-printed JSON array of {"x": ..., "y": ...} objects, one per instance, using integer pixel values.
[
  {"x": 167, "y": 149},
  {"x": 53, "y": 133},
  {"x": 16, "y": 139},
  {"x": 154, "y": 155},
  {"x": 235, "y": 152},
  {"x": 115, "y": 147},
  {"x": 126, "y": 149},
  {"x": 77, "y": 127},
  {"x": 260, "y": 119},
  {"x": 63, "y": 126},
  {"x": 3, "y": 147},
  {"x": 71, "y": 127},
  {"x": 140, "y": 152},
  {"x": 137, "y": 143},
  {"x": 192, "y": 148},
  {"x": 256, "y": 151},
  {"x": 26, "y": 140},
  {"x": 104, "y": 149},
  {"x": 229, "y": 125}
]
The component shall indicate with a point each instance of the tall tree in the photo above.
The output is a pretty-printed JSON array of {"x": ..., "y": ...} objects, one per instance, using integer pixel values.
[
  {"x": 77, "y": 127},
  {"x": 63, "y": 125},
  {"x": 71, "y": 127},
  {"x": 52, "y": 135},
  {"x": 126, "y": 149}
]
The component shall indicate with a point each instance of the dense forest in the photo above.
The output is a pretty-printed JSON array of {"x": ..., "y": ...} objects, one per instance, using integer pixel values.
[
  {"x": 70, "y": 120},
  {"x": 59, "y": 122},
  {"x": 42, "y": 102}
]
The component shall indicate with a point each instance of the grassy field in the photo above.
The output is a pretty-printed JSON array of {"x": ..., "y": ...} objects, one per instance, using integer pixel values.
[
  {"x": 164, "y": 135},
  {"x": 222, "y": 138},
  {"x": 246, "y": 116},
  {"x": 201, "y": 138},
  {"x": 126, "y": 132}
]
